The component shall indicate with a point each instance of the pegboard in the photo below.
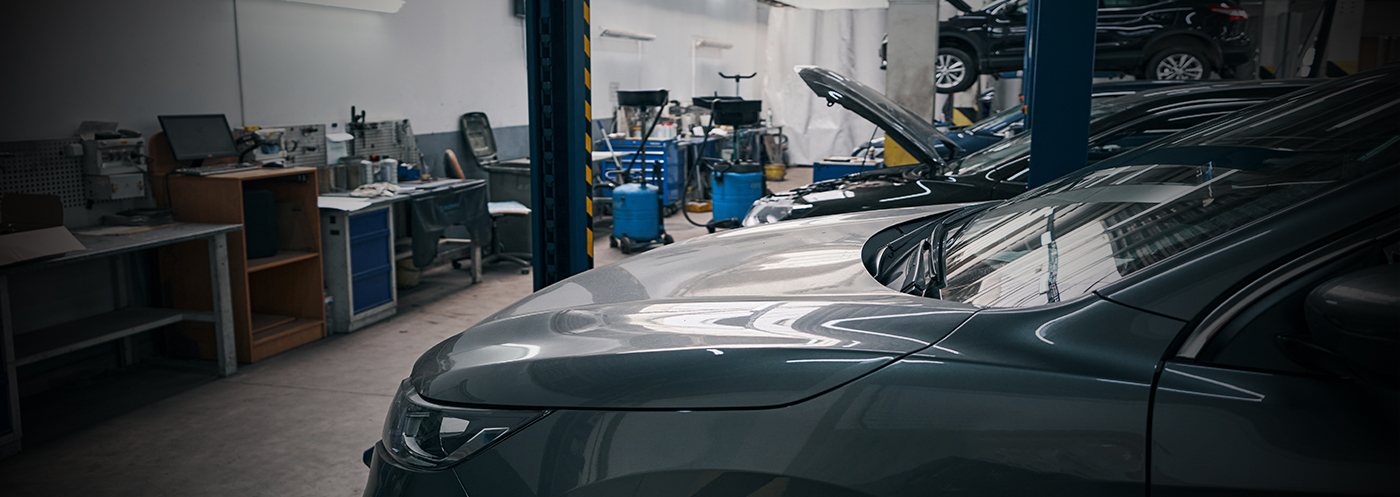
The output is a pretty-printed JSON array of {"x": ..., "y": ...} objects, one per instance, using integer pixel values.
[
  {"x": 306, "y": 144},
  {"x": 44, "y": 168},
  {"x": 392, "y": 139}
]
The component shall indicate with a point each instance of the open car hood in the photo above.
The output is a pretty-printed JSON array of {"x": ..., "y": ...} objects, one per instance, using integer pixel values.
[
  {"x": 755, "y": 317},
  {"x": 915, "y": 135},
  {"x": 962, "y": 6}
]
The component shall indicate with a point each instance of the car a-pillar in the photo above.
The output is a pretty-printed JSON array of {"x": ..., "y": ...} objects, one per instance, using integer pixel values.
[
  {"x": 561, "y": 140},
  {"x": 1058, "y": 82}
]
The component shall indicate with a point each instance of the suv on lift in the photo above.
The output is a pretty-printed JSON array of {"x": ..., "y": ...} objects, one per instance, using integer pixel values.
[{"x": 1152, "y": 39}]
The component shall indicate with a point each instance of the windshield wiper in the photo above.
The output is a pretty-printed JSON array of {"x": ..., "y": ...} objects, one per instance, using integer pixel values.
[
  {"x": 941, "y": 238},
  {"x": 918, "y": 281},
  {"x": 913, "y": 263},
  {"x": 893, "y": 256}
]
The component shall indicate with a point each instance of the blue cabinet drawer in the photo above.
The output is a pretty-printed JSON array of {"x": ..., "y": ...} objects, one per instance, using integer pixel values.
[
  {"x": 369, "y": 241},
  {"x": 371, "y": 260}
]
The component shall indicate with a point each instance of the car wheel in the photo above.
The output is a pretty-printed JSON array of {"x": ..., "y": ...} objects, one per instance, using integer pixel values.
[
  {"x": 955, "y": 71},
  {"x": 1184, "y": 63}
]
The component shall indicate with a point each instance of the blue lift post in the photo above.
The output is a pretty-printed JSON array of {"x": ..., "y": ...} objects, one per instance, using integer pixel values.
[
  {"x": 561, "y": 140},
  {"x": 1057, "y": 85}
]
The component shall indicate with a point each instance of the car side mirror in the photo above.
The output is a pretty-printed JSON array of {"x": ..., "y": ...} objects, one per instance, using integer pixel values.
[
  {"x": 1357, "y": 318},
  {"x": 1017, "y": 128}
]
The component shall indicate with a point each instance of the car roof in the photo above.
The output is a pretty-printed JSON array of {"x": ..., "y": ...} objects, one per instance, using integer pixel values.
[{"x": 1184, "y": 92}]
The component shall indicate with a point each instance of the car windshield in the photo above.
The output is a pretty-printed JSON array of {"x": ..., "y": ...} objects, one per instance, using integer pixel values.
[
  {"x": 990, "y": 157},
  {"x": 1101, "y": 108},
  {"x": 995, "y": 122},
  {"x": 1082, "y": 232}
]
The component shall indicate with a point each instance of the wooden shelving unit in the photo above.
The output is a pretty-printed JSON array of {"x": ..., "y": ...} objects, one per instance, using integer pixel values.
[
  {"x": 278, "y": 301},
  {"x": 282, "y": 257}
]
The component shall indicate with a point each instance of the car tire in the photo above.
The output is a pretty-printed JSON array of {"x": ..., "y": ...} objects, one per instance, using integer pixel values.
[
  {"x": 1180, "y": 62},
  {"x": 956, "y": 71}
]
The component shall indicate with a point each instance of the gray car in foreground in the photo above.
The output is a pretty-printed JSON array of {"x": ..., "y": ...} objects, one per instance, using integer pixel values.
[{"x": 1212, "y": 314}]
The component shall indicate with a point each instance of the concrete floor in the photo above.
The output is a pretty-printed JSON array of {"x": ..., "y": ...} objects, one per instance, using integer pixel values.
[{"x": 292, "y": 425}]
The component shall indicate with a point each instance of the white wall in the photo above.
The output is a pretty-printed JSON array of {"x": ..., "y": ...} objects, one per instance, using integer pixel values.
[
  {"x": 430, "y": 62},
  {"x": 666, "y": 61},
  {"x": 68, "y": 61}
]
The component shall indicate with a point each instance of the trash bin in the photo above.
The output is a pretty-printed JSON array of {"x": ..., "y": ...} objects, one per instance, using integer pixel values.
[{"x": 510, "y": 180}]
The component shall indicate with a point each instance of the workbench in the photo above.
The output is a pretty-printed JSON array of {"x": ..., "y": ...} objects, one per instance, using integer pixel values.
[
  {"x": 363, "y": 238},
  {"x": 35, "y": 345}
]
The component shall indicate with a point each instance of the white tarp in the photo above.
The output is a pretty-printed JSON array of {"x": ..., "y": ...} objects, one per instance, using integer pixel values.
[
  {"x": 838, "y": 4},
  {"x": 845, "y": 41}
]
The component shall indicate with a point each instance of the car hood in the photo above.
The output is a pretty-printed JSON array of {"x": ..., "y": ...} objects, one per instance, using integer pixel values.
[
  {"x": 961, "y": 6},
  {"x": 915, "y": 135},
  {"x": 749, "y": 318}
]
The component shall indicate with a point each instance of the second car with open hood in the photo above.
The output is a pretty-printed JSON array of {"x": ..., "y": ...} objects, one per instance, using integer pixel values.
[{"x": 996, "y": 172}]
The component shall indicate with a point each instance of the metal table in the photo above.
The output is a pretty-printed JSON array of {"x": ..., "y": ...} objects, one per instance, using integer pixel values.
[
  {"x": 354, "y": 260},
  {"x": 52, "y": 341}
]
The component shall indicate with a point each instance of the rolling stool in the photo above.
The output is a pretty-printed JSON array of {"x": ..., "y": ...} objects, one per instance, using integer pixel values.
[{"x": 498, "y": 254}]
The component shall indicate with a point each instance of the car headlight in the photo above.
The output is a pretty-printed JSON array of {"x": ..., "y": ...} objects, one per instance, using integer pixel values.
[
  {"x": 771, "y": 211},
  {"x": 420, "y": 434}
]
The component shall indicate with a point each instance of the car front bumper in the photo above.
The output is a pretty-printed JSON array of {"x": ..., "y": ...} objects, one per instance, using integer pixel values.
[{"x": 387, "y": 479}]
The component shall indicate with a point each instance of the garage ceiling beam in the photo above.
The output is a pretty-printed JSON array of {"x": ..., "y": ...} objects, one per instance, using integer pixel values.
[
  {"x": 1057, "y": 85},
  {"x": 561, "y": 138}
]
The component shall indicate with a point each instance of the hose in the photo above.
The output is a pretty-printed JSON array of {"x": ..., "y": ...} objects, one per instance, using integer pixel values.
[
  {"x": 685, "y": 180},
  {"x": 642, "y": 150}
]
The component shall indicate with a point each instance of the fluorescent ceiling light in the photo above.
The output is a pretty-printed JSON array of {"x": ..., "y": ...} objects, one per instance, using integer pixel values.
[
  {"x": 631, "y": 35},
  {"x": 385, "y": 6},
  {"x": 703, "y": 43}
]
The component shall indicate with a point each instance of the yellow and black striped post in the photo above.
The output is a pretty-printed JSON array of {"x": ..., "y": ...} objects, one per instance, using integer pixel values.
[{"x": 561, "y": 139}]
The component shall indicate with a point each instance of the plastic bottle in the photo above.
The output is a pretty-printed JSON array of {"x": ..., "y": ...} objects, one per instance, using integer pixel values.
[{"x": 389, "y": 171}]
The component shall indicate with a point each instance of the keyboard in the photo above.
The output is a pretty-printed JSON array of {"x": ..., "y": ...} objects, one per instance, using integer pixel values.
[{"x": 216, "y": 169}]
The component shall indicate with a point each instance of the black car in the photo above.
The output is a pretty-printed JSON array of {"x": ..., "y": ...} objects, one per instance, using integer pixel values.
[
  {"x": 1009, "y": 122},
  {"x": 1153, "y": 39},
  {"x": 998, "y": 172}
]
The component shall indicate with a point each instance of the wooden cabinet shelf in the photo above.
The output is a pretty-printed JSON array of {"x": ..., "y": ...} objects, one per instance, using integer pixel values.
[
  {"x": 263, "y": 322},
  {"x": 292, "y": 330},
  {"x": 282, "y": 257},
  {"x": 278, "y": 301}
]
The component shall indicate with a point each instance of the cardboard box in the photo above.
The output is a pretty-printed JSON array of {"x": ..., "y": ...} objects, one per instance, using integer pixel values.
[{"x": 31, "y": 228}]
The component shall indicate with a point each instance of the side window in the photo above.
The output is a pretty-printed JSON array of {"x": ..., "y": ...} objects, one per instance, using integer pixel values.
[{"x": 1272, "y": 334}]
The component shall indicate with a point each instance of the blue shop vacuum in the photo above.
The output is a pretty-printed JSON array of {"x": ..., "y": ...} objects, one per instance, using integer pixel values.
[{"x": 636, "y": 205}]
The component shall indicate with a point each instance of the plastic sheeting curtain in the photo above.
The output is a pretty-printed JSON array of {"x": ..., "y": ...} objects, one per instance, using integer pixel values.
[{"x": 845, "y": 41}]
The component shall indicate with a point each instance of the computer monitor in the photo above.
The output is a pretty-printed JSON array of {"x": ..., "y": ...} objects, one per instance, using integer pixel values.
[{"x": 199, "y": 137}]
